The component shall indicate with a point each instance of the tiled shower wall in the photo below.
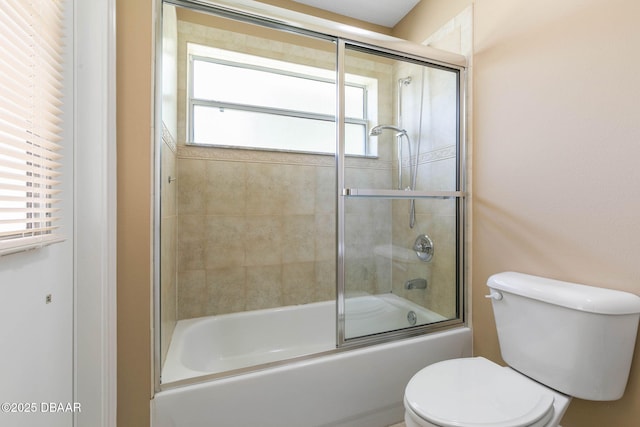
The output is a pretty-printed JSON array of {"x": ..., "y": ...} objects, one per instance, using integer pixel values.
[
  {"x": 436, "y": 171},
  {"x": 168, "y": 207},
  {"x": 434, "y": 125},
  {"x": 256, "y": 230},
  {"x": 168, "y": 240}
]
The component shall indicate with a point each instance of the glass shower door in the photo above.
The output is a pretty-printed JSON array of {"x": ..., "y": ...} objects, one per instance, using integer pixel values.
[
  {"x": 262, "y": 210},
  {"x": 401, "y": 205}
]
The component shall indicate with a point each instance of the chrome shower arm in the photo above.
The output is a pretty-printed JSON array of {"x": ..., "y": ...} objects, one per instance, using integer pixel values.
[{"x": 377, "y": 130}]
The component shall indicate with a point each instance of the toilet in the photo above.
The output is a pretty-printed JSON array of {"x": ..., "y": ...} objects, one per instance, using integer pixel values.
[{"x": 557, "y": 339}]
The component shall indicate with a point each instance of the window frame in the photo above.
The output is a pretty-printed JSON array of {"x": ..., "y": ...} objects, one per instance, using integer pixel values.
[{"x": 193, "y": 102}]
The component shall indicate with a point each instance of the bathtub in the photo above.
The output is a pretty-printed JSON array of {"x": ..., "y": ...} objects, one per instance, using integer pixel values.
[
  {"x": 358, "y": 387},
  {"x": 209, "y": 345}
]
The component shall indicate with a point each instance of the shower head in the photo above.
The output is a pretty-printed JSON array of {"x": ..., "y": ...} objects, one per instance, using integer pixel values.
[
  {"x": 404, "y": 81},
  {"x": 377, "y": 130}
]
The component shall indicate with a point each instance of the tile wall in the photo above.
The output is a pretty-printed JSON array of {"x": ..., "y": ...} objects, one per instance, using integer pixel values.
[
  {"x": 168, "y": 240},
  {"x": 256, "y": 230}
]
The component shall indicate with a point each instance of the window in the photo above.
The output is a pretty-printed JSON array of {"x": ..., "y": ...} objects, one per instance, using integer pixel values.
[
  {"x": 242, "y": 100},
  {"x": 30, "y": 76}
]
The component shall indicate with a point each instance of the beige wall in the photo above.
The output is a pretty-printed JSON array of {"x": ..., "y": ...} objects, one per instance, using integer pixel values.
[
  {"x": 556, "y": 148},
  {"x": 134, "y": 126},
  {"x": 427, "y": 17},
  {"x": 555, "y": 143}
]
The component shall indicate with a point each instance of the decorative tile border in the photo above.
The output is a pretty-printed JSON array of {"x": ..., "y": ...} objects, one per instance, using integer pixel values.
[
  {"x": 285, "y": 157},
  {"x": 276, "y": 157},
  {"x": 168, "y": 139},
  {"x": 444, "y": 153}
]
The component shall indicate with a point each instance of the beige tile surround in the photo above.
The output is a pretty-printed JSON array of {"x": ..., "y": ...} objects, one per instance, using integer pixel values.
[
  {"x": 168, "y": 242},
  {"x": 256, "y": 230}
]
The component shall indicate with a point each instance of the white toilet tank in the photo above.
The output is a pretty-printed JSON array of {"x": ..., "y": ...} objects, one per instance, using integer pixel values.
[{"x": 576, "y": 339}]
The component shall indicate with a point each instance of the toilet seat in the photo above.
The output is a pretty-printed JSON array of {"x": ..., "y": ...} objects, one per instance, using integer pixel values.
[{"x": 475, "y": 392}]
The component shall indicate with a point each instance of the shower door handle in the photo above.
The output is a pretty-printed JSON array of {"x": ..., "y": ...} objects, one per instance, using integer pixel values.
[{"x": 401, "y": 194}]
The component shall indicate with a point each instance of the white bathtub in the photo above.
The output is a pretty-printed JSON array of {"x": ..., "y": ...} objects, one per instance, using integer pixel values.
[
  {"x": 208, "y": 345},
  {"x": 360, "y": 387}
]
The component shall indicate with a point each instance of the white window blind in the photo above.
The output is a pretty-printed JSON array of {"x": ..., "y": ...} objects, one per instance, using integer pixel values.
[{"x": 30, "y": 122}]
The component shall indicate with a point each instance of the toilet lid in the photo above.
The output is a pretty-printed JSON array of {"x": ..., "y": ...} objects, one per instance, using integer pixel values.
[{"x": 474, "y": 392}]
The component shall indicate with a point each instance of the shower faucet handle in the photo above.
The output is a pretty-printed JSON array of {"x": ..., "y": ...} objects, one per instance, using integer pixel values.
[{"x": 423, "y": 247}]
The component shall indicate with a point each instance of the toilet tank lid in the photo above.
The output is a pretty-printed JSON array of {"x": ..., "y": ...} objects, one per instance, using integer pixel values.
[{"x": 571, "y": 295}]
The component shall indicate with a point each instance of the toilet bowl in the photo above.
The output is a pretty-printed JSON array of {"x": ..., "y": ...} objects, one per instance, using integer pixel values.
[
  {"x": 550, "y": 334},
  {"x": 475, "y": 392}
]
